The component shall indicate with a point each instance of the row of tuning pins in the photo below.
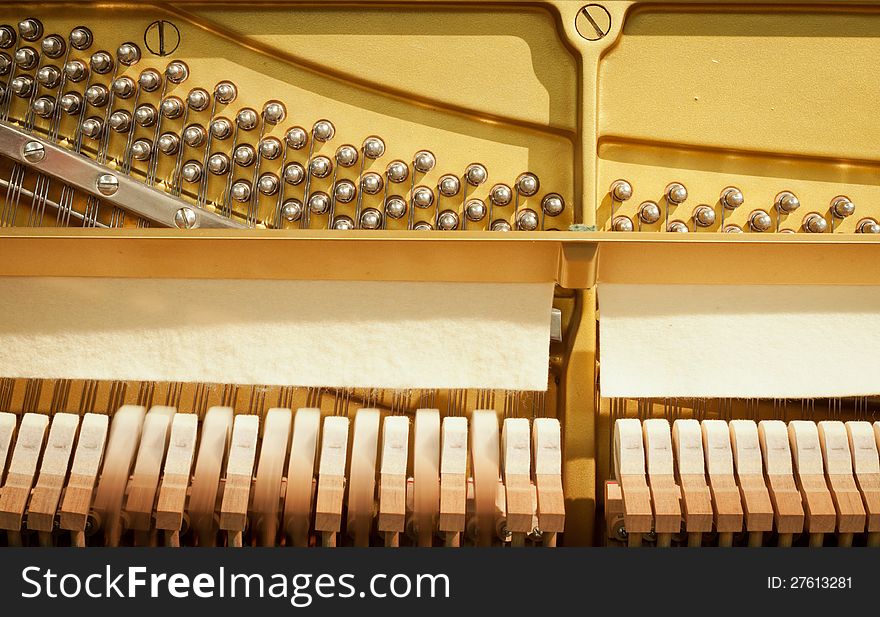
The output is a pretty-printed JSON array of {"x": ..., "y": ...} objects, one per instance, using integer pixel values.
[{"x": 731, "y": 198}]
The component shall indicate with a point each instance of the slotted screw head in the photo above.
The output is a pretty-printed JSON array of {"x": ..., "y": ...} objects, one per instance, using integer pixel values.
[
  {"x": 33, "y": 152},
  {"x": 107, "y": 184},
  {"x": 185, "y": 218}
]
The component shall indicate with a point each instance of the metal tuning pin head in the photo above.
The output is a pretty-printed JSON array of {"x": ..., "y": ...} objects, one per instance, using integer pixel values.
[
  {"x": 145, "y": 115},
  {"x": 30, "y": 29},
  {"x": 704, "y": 216},
  {"x": 168, "y": 143},
  {"x": 49, "y": 76},
  {"x": 373, "y": 147},
  {"x": 247, "y": 119},
  {"x": 274, "y": 112},
  {"x": 27, "y": 58},
  {"x": 172, "y": 107},
  {"x": 343, "y": 223},
  {"x": 553, "y": 204},
  {"x": 225, "y": 92},
  {"x": 621, "y": 190},
  {"x": 759, "y": 220},
  {"x": 423, "y": 197},
  {"x": 815, "y": 223},
  {"x": 141, "y": 150},
  {"x": 731, "y": 198},
  {"x": 449, "y": 185},
  {"x": 294, "y": 173},
  {"x": 7, "y": 37},
  {"x": 527, "y": 220},
  {"x": 501, "y": 195},
  {"x": 101, "y": 62},
  {"x": 371, "y": 218},
  {"x": 268, "y": 183},
  {"x": 323, "y": 130},
  {"x": 527, "y": 184},
  {"x": 75, "y": 70},
  {"x": 447, "y": 221},
  {"x": 44, "y": 106},
  {"x": 475, "y": 210},
  {"x": 677, "y": 227},
  {"x": 345, "y": 191},
  {"x": 22, "y": 86},
  {"x": 198, "y": 99},
  {"x": 176, "y": 72},
  {"x": 92, "y": 127},
  {"x": 120, "y": 121},
  {"x": 371, "y": 183},
  {"x": 676, "y": 193},
  {"x": 70, "y": 103},
  {"x": 296, "y": 138},
  {"x": 244, "y": 155},
  {"x": 123, "y": 87},
  {"x": 842, "y": 207},
  {"x": 291, "y": 210},
  {"x": 787, "y": 202},
  {"x": 649, "y": 212},
  {"x": 221, "y": 128},
  {"x": 241, "y": 191},
  {"x": 732, "y": 229},
  {"x": 53, "y": 46},
  {"x": 476, "y": 174},
  {"x": 5, "y": 63},
  {"x": 81, "y": 38},
  {"x": 218, "y": 164},
  {"x": 320, "y": 167},
  {"x": 346, "y": 155},
  {"x": 423, "y": 226},
  {"x": 424, "y": 161},
  {"x": 397, "y": 171},
  {"x": 395, "y": 207},
  {"x": 868, "y": 226},
  {"x": 191, "y": 171},
  {"x": 270, "y": 148},
  {"x": 97, "y": 95},
  {"x": 501, "y": 225},
  {"x": 150, "y": 80},
  {"x": 319, "y": 203},
  {"x": 622, "y": 223},
  {"x": 194, "y": 135},
  {"x": 128, "y": 54}
]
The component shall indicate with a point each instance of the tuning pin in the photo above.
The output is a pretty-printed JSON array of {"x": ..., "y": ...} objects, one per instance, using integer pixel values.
[
  {"x": 44, "y": 106},
  {"x": 649, "y": 212},
  {"x": 501, "y": 225},
  {"x": 677, "y": 227},
  {"x": 7, "y": 37},
  {"x": 247, "y": 119},
  {"x": 49, "y": 76},
  {"x": 868, "y": 226},
  {"x": 53, "y": 46},
  {"x": 150, "y": 80},
  {"x": 621, "y": 190},
  {"x": 476, "y": 174},
  {"x": 141, "y": 150},
  {"x": 501, "y": 195},
  {"x": 842, "y": 207},
  {"x": 194, "y": 135},
  {"x": 30, "y": 29},
  {"x": 221, "y": 128},
  {"x": 423, "y": 197},
  {"x": 22, "y": 85},
  {"x": 101, "y": 62},
  {"x": 168, "y": 143},
  {"x": 527, "y": 184},
  {"x": 704, "y": 216},
  {"x": 270, "y": 148},
  {"x": 294, "y": 173},
  {"x": 274, "y": 112},
  {"x": 5, "y": 63},
  {"x": 75, "y": 70},
  {"x": 553, "y": 204},
  {"x": 676, "y": 193},
  {"x": 268, "y": 184},
  {"x": 447, "y": 221},
  {"x": 81, "y": 38},
  {"x": 172, "y": 107},
  {"x": 815, "y": 223},
  {"x": 241, "y": 191},
  {"x": 319, "y": 203},
  {"x": 123, "y": 87},
  {"x": 397, "y": 171},
  {"x": 26, "y": 58},
  {"x": 374, "y": 147},
  {"x": 449, "y": 185},
  {"x": 225, "y": 92},
  {"x": 424, "y": 161},
  {"x": 320, "y": 167},
  {"x": 292, "y": 210},
  {"x": 92, "y": 127},
  {"x": 731, "y": 198},
  {"x": 176, "y": 72},
  {"x": 145, "y": 115},
  {"x": 622, "y": 223},
  {"x": 345, "y": 191},
  {"x": 70, "y": 103},
  {"x": 371, "y": 183},
  {"x": 395, "y": 207},
  {"x": 323, "y": 130},
  {"x": 296, "y": 138},
  {"x": 759, "y": 220},
  {"x": 527, "y": 220},
  {"x": 120, "y": 121},
  {"x": 343, "y": 223},
  {"x": 218, "y": 164},
  {"x": 371, "y": 219},
  {"x": 732, "y": 229},
  {"x": 244, "y": 155},
  {"x": 128, "y": 54},
  {"x": 198, "y": 99},
  {"x": 191, "y": 171},
  {"x": 346, "y": 155},
  {"x": 787, "y": 202},
  {"x": 475, "y": 210},
  {"x": 97, "y": 95}
]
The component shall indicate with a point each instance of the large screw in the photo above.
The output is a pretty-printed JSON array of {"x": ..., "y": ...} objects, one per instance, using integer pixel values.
[
  {"x": 107, "y": 184},
  {"x": 185, "y": 218},
  {"x": 33, "y": 152},
  {"x": 593, "y": 22}
]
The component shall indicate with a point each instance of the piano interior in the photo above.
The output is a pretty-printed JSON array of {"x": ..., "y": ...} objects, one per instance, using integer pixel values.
[{"x": 589, "y": 146}]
